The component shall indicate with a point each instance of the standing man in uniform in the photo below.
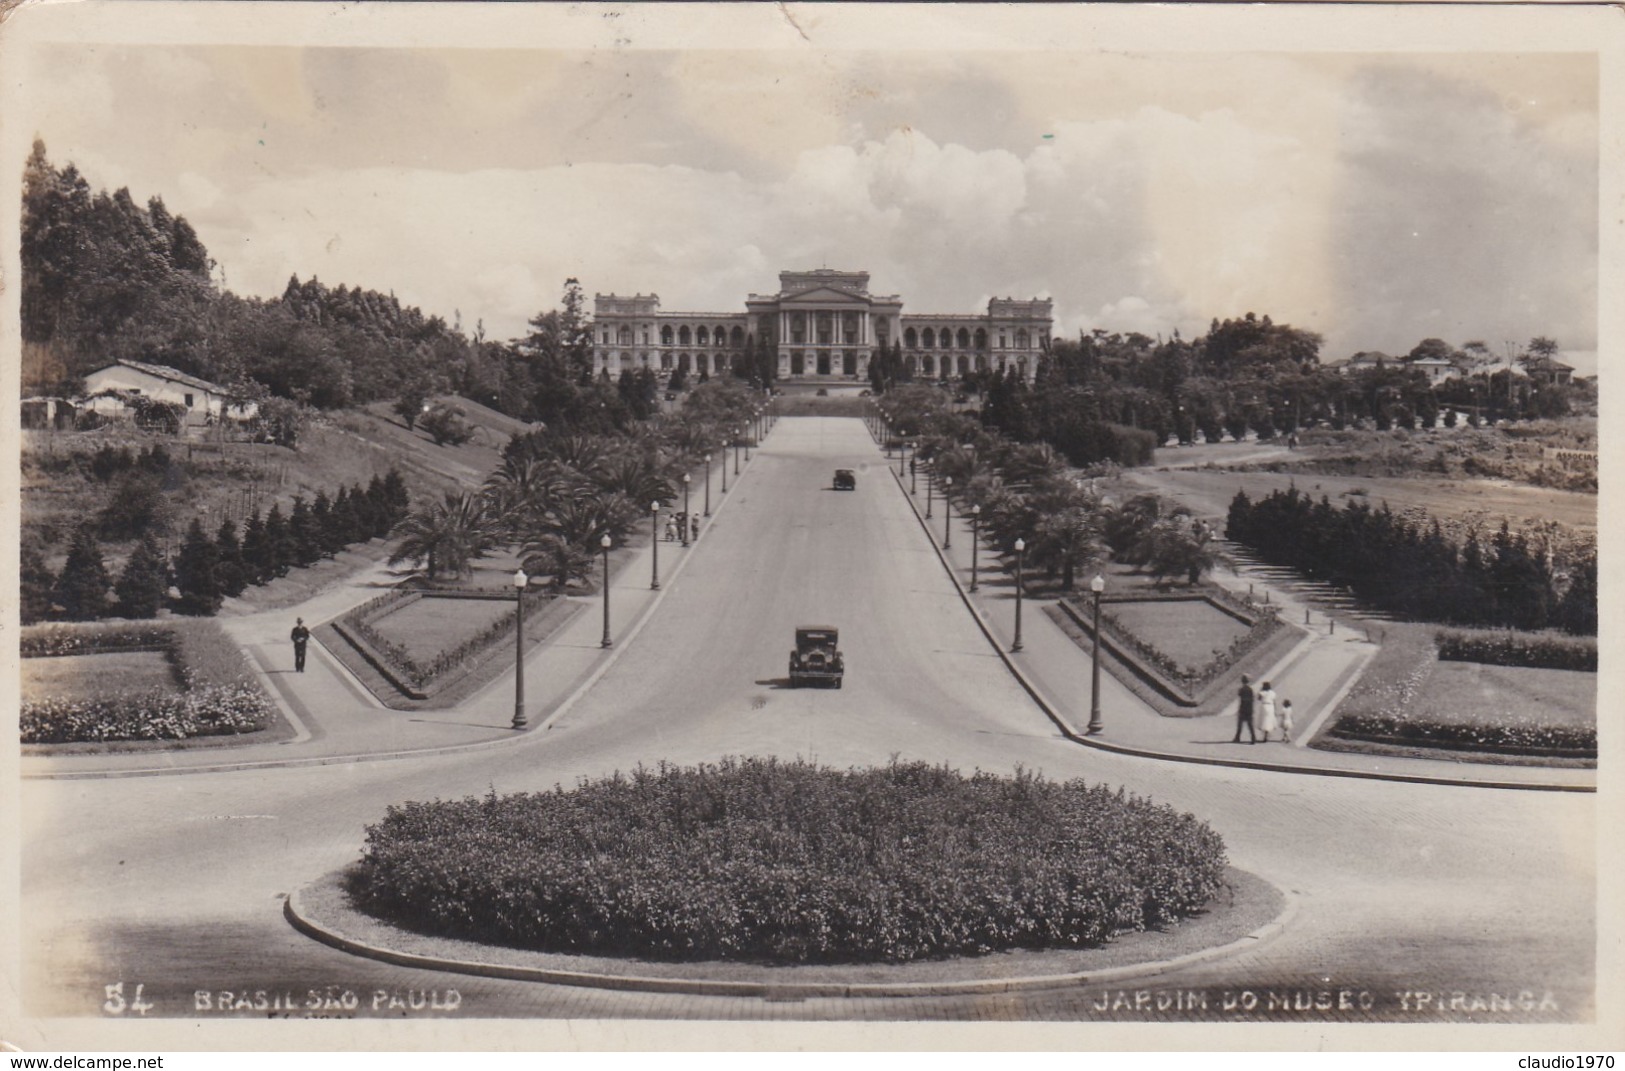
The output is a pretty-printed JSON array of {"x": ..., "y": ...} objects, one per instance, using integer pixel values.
[
  {"x": 1244, "y": 710},
  {"x": 301, "y": 639}
]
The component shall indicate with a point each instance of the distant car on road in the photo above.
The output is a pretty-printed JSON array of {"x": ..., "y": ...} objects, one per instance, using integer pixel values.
[
  {"x": 822, "y": 392},
  {"x": 845, "y": 480},
  {"x": 817, "y": 657}
]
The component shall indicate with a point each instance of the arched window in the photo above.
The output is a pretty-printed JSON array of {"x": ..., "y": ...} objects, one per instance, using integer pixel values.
[
  {"x": 928, "y": 365},
  {"x": 981, "y": 338},
  {"x": 964, "y": 365},
  {"x": 928, "y": 338},
  {"x": 682, "y": 361},
  {"x": 683, "y": 337},
  {"x": 964, "y": 339},
  {"x": 665, "y": 335},
  {"x": 719, "y": 336},
  {"x": 910, "y": 339},
  {"x": 665, "y": 362},
  {"x": 738, "y": 337},
  {"x": 981, "y": 363},
  {"x": 702, "y": 337}
]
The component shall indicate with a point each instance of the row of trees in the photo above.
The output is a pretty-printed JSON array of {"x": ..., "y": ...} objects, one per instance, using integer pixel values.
[
  {"x": 1415, "y": 571},
  {"x": 1026, "y": 491},
  {"x": 207, "y": 569},
  {"x": 559, "y": 491}
]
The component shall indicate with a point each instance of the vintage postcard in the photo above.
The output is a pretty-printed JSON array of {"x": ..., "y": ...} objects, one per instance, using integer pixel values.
[{"x": 836, "y": 526}]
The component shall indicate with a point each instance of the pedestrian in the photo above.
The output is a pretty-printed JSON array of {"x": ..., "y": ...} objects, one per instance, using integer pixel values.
[
  {"x": 301, "y": 639},
  {"x": 671, "y": 528},
  {"x": 1286, "y": 721},
  {"x": 1244, "y": 710},
  {"x": 1266, "y": 711},
  {"x": 694, "y": 520}
]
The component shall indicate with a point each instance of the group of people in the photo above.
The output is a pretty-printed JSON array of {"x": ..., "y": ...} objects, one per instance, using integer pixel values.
[
  {"x": 677, "y": 524},
  {"x": 1270, "y": 711}
]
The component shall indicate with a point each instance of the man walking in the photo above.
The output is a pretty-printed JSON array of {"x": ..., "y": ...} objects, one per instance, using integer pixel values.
[
  {"x": 301, "y": 638},
  {"x": 1244, "y": 710}
]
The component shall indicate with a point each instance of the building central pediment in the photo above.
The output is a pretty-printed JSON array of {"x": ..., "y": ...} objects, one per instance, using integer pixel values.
[{"x": 823, "y": 295}]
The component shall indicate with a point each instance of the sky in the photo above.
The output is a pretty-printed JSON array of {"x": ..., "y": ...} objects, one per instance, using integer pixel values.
[{"x": 1376, "y": 198}]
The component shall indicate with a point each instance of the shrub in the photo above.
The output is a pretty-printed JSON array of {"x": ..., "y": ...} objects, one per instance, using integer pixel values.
[
  {"x": 789, "y": 862},
  {"x": 218, "y": 693},
  {"x": 1499, "y": 648}
]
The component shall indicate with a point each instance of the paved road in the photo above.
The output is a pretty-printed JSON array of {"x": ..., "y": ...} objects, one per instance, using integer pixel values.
[{"x": 174, "y": 882}]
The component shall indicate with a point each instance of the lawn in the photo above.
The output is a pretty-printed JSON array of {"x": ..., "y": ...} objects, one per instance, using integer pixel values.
[
  {"x": 1188, "y": 632},
  {"x": 1467, "y": 692},
  {"x": 429, "y": 626},
  {"x": 76, "y": 677}
]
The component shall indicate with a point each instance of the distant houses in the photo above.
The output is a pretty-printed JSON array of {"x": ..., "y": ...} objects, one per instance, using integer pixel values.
[{"x": 117, "y": 389}]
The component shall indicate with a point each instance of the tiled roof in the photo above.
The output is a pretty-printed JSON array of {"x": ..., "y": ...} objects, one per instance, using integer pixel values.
[{"x": 174, "y": 375}]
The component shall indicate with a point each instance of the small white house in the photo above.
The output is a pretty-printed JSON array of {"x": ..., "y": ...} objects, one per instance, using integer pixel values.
[
  {"x": 202, "y": 402},
  {"x": 1437, "y": 369}
]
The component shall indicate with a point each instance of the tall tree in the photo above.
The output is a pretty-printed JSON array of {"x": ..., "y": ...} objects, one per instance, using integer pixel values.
[
  {"x": 196, "y": 576},
  {"x": 81, "y": 589},
  {"x": 143, "y": 583}
]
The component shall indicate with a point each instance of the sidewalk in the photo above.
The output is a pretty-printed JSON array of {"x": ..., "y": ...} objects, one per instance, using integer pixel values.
[
  {"x": 1315, "y": 674},
  {"x": 334, "y": 717}
]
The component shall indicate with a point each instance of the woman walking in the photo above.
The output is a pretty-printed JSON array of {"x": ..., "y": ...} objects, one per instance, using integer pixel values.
[{"x": 1266, "y": 711}]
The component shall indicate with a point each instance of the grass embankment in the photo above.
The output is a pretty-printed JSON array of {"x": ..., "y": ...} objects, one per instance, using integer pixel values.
[{"x": 764, "y": 861}]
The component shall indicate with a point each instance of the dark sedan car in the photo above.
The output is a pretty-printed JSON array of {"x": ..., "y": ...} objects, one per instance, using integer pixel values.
[{"x": 845, "y": 481}]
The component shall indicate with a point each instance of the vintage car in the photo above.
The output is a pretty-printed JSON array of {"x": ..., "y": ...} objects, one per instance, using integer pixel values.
[
  {"x": 817, "y": 657},
  {"x": 845, "y": 481}
]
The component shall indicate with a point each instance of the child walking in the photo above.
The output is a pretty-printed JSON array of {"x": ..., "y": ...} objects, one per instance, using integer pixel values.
[{"x": 1286, "y": 721}]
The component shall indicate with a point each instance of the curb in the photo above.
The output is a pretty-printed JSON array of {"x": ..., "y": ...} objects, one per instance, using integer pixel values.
[
  {"x": 298, "y": 917},
  {"x": 1145, "y": 753}
]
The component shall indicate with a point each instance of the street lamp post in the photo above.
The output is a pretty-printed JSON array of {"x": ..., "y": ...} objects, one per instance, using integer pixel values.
[
  {"x": 947, "y": 512},
  {"x": 1021, "y": 547},
  {"x": 604, "y": 541},
  {"x": 685, "y": 509},
  {"x": 975, "y": 541},
  {"x": 902, "y": 453},
  {"x": 519, "y": 582},
  {"x": 1097, "y": 585},
  {"x": 737, "y": 436},
  {"x": 914, "y": 470},
  {"x": 654, "y": 545},
  {"x": 928, "y": 487},
  {"x": 708, "y": 485}
]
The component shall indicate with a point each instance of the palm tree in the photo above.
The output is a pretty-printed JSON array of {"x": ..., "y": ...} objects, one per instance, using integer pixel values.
[
  {"x": 565, "y": 536},
  {"x": 450, "y": 535},
  {"x": 637, "y": 476},
  {"x": 558, "y": 559},
  {"x": 1066, "y": 541}
]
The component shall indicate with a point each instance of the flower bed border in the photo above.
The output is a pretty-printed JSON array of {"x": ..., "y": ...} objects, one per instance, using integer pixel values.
[
  {"x": 354, "y": 629},
  {"x": 207, "y": 701},
  {"x": 1188, "y": 693}
]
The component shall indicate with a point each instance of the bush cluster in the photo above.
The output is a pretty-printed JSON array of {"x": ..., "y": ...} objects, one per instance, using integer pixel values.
[
  {"x": 1413, "y": 570},
  {"x": 755, "y": 859},
  {"x": 1524, "y": 734},
  {"x": 1500, "y": 648},
  {"x": 218, "y": 694}
]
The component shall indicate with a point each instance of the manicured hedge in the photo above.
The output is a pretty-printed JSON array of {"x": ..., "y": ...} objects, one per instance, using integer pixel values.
[
  {"x": 1528, "y": 736},
  {"x": 219, "y": 694},
  {"x": 755, "y": 859},
  {"x": 1500, "y": 648}
]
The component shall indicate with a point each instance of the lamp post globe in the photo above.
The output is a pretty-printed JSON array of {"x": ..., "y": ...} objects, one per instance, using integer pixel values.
[
  {"x": 520, "y": 580},
  {"x": 1021, "y": 549},
  {"x": 1097, "y": 585},
  {"x": 654, "y": 545}
]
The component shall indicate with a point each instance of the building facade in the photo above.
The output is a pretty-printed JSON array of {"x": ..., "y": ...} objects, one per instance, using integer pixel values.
[{"x": 820, "y": 325}]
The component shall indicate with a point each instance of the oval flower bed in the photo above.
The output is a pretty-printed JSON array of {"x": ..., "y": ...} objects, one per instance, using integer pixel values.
[
  {"x": 755, "y": 859},
  {"x": 218, "y": 693}
]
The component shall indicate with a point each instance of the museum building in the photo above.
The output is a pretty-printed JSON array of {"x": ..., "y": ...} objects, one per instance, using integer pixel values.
[{"x": 822, "y": 324}]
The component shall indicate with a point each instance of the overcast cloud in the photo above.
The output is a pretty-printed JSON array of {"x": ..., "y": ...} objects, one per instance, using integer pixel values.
[{"x": 1376, "y": 199}]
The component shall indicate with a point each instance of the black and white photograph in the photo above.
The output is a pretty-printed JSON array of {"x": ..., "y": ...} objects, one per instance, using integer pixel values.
[{"x": 834, "y": 526}]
